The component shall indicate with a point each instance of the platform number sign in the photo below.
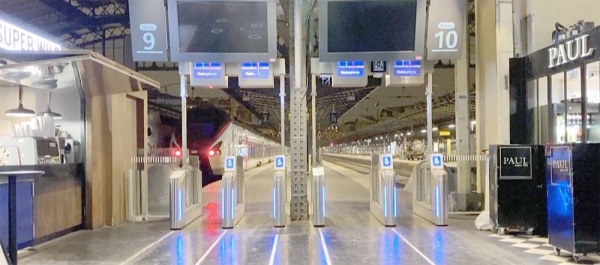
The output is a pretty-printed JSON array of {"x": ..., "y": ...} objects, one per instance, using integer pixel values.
[
  {"x": 446, "y": 29},
  {"x": 386, "y": 162},
  {"x": 148, "y": 32},
  {"x": 230, "y": 163},
  {"x": 279, "y": 162},
  {"x": 437, "y": 161}
]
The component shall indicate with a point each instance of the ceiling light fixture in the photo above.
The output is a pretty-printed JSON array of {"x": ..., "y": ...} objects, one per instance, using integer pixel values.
[
  {"x": 20, "y": 111},
  {"x": 48, "y": 111}
]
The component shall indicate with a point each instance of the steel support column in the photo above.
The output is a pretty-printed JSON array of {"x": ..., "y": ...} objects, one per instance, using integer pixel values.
[
  {"x": 298, "y": 134},
  {"x": 282, "y": 111},
  {"x": 429, "y": 94}
]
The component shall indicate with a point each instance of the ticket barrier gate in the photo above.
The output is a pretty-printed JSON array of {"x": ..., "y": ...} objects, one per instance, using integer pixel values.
[
  {"x": 232, "y": 192},
  {"x": 318, "y": 196},
  {"x": 185, "y": 194},
  {"x": 383, "y": 194},
  {"x": 430, "y": 194},
  {"x": 279, "y": 192}
]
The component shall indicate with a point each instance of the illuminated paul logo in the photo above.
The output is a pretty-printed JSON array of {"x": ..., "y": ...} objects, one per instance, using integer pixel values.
[
  {"x": 516, "y": 161},
  {"x": 569, "y": 51},
  {"x": 560, "y": 164}
]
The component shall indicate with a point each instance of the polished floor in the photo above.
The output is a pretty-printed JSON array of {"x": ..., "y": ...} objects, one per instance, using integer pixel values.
[{"x": 351, "y": 235}]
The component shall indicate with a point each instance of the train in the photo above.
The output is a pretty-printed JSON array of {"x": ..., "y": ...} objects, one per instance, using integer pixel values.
[{"x": 212, "y": 135}]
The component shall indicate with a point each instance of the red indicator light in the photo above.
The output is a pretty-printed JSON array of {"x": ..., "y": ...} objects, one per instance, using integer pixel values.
[
  {"x": 211, "y": 153},
  {"x": 177, "y": 153}
]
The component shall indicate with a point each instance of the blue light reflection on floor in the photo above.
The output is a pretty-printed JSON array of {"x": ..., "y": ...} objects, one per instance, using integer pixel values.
[
  {"x": 227, "y": 252},
  {"x": 391, "y": 250},
  {"x": 439, "y": 247},
  {"x": 322, "y": 256},
  {"x": 180, "y": 251}
]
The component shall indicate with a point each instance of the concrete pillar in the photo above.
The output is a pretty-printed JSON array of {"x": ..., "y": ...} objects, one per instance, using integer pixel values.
[
  {"x": 462, "y": 120},
  {"x": 494, "y": 44}
]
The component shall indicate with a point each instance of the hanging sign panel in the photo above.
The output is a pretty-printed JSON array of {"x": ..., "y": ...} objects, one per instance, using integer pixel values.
[
  {"x": 256, "y": 75},
  {"x": 446, "y": 29},
  {"x": 148, "y": 19},
  {"x": 407, "y": 68},
  {"x": 211, "y": 75},
  {"x": 349, "y": 74}
]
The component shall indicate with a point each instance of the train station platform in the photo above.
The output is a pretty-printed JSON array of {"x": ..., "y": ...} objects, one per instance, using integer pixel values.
[{"x": 351, "y": 235}]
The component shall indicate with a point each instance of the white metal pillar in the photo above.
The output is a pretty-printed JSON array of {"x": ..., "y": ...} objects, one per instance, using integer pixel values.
[
  {"x": 494, "y": 44},
  {"x": 184, "y": 148},
  {"x": 282, "y": 111},
  {"x": 313, "y": 95},
  {"x": 429, "y": 94},
  {"x": 462, "y": 120}
]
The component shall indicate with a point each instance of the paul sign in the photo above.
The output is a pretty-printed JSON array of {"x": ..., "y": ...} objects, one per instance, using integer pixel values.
[
  {"x": 515, "y": 163},
  {"x": 569, "y": 51}
]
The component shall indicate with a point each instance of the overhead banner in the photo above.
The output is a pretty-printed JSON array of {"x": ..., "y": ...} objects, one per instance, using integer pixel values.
[
  {"x": 13, "y": 38},
  {"x": 148, "y": 20},
  {"x": 446, "y": 29}
]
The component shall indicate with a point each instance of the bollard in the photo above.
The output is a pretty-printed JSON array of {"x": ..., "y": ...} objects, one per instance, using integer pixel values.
[
  {"x": 439, "y": 190},
  {"x": 318, "y": 194},
  {"x": 388, "y": 190},
  {"x": 228, "y": 195},
  {"x": 279, "y": 192}
]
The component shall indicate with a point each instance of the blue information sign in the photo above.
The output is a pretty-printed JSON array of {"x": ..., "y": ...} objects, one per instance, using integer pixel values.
[
  {"x": 407, "y": 68},
  {"x": 350, "y": 69},
  {"x": 229, "y": 163},
  {"x": 255, "y": 70},
  {"x": 207, "y": 70},
  {"x": 386, "y": 162},
  {"x": 437, "y": 161},
  {"x": 279, "y": 162}
]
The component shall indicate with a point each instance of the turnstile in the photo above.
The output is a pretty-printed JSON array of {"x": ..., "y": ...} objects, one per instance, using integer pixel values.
[
  {"x": 430, "y": 193},
  {"x": 232, "y": 192},
  {"x": 383, "y": 205},
  {"x": 185, "y": 194}
]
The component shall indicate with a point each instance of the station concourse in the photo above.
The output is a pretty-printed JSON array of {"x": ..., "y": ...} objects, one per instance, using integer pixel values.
[{"x": 299, "y": 132}]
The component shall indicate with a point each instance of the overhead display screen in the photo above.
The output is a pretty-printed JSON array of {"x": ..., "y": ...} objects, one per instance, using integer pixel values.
[
  {"x": 222, "y": 30},
  {"x": 223, "y": 27},
  {"x": 371, "y": 30},
  {"x": 371, "y": 26}
]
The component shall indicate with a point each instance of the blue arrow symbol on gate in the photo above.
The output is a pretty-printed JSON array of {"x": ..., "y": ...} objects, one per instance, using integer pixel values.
[{"x": 279, "y": 162}]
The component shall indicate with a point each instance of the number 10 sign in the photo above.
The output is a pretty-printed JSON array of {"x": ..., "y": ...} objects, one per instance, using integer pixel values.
[{"x": 446, "y": 29}]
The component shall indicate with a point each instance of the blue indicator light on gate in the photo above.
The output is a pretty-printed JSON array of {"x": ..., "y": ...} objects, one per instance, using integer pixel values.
[
  {"x": 179, "y": 205},
  {"x": 323, "y": 191},
  {"x": 385, "y": 201},
  {"x": 223, "y": 204},
  {"x": 233, "y": 202},
  {"x": 274, "y": 204},
  {"x": 437, "y": 199}
]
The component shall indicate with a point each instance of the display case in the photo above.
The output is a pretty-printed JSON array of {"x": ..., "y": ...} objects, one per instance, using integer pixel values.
[
  {"x": 573, "y": 184},
  {"x": 517, "y": 174}
]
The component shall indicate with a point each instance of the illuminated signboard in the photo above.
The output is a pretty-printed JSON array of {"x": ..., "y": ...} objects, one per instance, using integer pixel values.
[
  {"x": 207, "y": 70},
  {"x": 255, "y": 70},
  {"x": 13, "y": 38},
  {"x": 407, "y": 68},
  {"x": 350, "y": 69}
]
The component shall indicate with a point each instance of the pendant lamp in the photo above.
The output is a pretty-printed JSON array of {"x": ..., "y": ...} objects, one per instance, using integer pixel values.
[
  {"x": 48, "y": 111},
  {"x": 20, "y": 112}
]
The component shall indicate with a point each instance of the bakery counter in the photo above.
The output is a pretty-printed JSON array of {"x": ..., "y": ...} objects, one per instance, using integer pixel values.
[{"x": 49, "y": 205}]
